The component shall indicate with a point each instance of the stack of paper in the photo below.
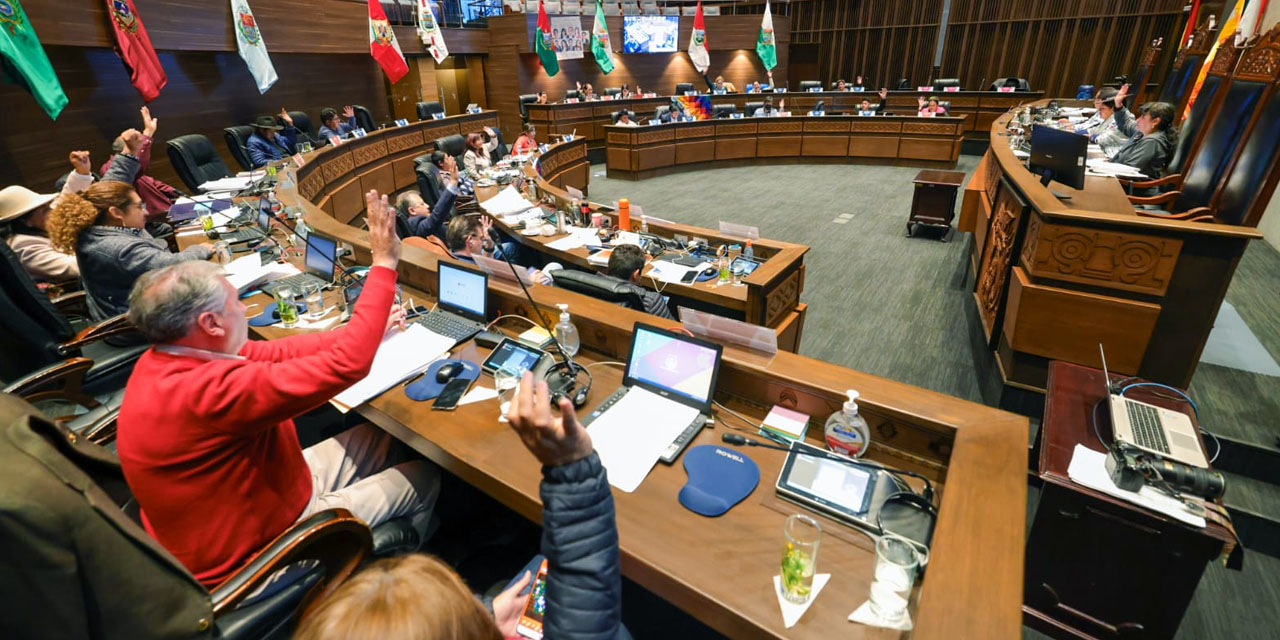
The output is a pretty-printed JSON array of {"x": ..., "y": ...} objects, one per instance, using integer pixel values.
[
  {"x": 634, "y": 433},
  {"x": 248, "y": 271},
  {"x": 664, "y": 271},
  {"x": 1088, "y": 467},
  {"x": 507, "y": 202},
  {"x": 1103, "y": 167},
  {"x": 786, "y": 423},
  {"x": 227, "y": 184},
  {"x": 578, "y": 237},
  {"x": 402, "y": 354}
]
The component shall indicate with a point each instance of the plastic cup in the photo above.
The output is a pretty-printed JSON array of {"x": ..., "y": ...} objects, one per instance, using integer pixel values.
[
  {"x": 221, "y": 252},
  {"x": 505, "y": 382},
  {"x": 799, "y": 557}
]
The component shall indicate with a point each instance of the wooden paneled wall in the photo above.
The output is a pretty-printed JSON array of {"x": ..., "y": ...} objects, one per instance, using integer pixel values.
[{"x": 1055, "y": 44}]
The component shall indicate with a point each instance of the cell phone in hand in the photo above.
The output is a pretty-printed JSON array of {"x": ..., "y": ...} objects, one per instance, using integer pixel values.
[
  {"x": 535, "y": 607},
  {"x": 450, "y": 395}
]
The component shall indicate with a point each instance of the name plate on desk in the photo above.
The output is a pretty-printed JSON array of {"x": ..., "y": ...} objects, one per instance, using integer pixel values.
[
  {"x": 858, "y": 89},
  {"x": 439, "y": 115},
  {"x": 924, "y": 88},
  {"x": 571, "y": 101},
  {"x": 740, "y": 230},
  {"x": 335, "y": 141},
  {"x": 735, "y": 115},
  {"x": 297, "y": 159},
  {"x": 815, "y": 90},
  {"x": 815, "y": 113},
  {"x": 1007, "y": 89},
  {"x": 358, "y": 133},
  {"x": 951, "y": 89},
  {"x": 691, "y": 93},
  {"x": 780, "y": 90},
  {"x": 649, "y": 95},
  {"x": 402, "y": 122}
]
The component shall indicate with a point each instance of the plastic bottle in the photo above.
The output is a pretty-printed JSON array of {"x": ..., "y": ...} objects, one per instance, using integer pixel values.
[
  {"x": 567, "y": 334},
  {"x": 624, "y": 214},
  {"x": 644, "y": 224},
  {"x": 846, "y": 431},
  {"x": 749, "y": 253}
]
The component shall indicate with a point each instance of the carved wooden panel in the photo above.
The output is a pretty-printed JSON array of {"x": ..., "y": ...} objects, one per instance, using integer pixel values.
[
  {"x": 964, "y": 101},
  {"x": 781, "y": 126},
  {"x": 372, "y": 152},
  {"x": 489, "y": 120},
  {"x": 661, "y": 135},
  {"x": 1225, "y": 59},
  {"x": 993, "y": 271},
  {"x": 1127, "y": 261},
  {"x": 551, "y": 163},
  {"x": 875, "y": 126},
  {"x": 1262, "y": 61},
  {"x": 699, "y": 131},
  {"x": 993, "y": 176},
  {"x": 782, "y": 299},
  {"x": 404, "y": 141},
  {"x": 826, "y": 125},
  {"x": 309, "y": 186},
  {"x": 936, "y": 128},
  {"x": 338, "y": 166},
  {"x": 433, "y": 132},
  {"x": 736, "y": 128},
  {"x": 618, "y": 137},
  {"x": 570, "y": 114}
]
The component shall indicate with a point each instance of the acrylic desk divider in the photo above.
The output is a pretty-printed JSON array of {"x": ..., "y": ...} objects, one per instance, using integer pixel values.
[
  {"x": 740, "y": 230},
  {"x": 729, "y": 330}
]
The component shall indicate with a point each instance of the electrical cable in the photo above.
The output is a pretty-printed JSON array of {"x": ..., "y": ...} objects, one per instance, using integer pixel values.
[
  {"x": 1194, "y": 409},
  {"x": 505, "y": 316},
  {"x": 597, "y": 364}
]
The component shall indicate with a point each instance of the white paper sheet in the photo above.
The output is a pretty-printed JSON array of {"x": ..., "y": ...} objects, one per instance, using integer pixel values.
[
  {"x": 401, "y": 354},
  {"x": 478, "y": 394},
  {"x": 669, "y": 272},
  {"x": 1113, "y": 168},
  {"x": 578, "y": 237},
  {"x": 1088, "y": 467},
  {"x": 248, "y": 271},
  {"x": 508, "y": 201},
  {"x": 791, "y": 612},
  {"x": 633, "y": 434},
  {"x": 227, "y": 184}
]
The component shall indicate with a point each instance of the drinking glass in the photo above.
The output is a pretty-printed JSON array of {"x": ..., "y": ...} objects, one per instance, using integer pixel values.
[
  {"x": 221, "y": 252},
  {"x": 737, "y": 275},
  {"x": 505, "y": 382},
  {"x": 897, "y": 560},
  {"x": 314, "y": 296},
  {"x": 287, "y": 307},
  {"x": 799, "y": 557}
]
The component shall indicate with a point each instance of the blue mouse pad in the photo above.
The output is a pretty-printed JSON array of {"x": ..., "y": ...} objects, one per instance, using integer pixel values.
[
  {"x": 270, "y": 316},
  {"x": 426, "y": 387},
  {"x": 718, "y": 479}
]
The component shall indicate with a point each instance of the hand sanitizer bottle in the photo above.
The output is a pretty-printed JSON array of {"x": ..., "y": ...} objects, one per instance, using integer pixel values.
[
  {"x": 846, "y": 431},
  {"x": 567, "y": 334}
]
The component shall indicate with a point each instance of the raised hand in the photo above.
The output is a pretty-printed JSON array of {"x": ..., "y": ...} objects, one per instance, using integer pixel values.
[
  {"x": 489, "y": 131},
  {"x": 1121, "y": 95},
  {"x": 80, "y": 162},
  {"x": 132, "y": 140},
  {"x": 921, "y": 101},
  {"x": 553, "y": 441},
  {"x": 383, "y": 241},
  {"x": 348, "y": 113},
  {"x": 284, "y": 115},
  {"x": 451, "y": 165},
  {"x": 149, "y": 124},
  {"x": 884, "y": 93}
]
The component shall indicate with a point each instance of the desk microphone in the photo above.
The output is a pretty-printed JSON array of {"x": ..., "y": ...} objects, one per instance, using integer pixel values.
[{"x": 737, "y": 439}]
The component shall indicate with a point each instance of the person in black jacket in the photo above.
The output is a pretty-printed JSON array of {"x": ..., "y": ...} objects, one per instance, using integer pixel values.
[{"x": 419, "y": 596}]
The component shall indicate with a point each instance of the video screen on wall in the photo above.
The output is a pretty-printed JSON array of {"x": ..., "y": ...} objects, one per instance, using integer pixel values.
[{"x": 650, "y": 34}]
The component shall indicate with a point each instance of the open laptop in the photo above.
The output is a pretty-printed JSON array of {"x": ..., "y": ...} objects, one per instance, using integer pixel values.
[
  {"x": 675, "y": 369},
  {"x": 462, "y": 304},
  {"x": 1156, "y": 430},
  {"x": 320, "y": 260},
  {"x": 246, "y": 233}
]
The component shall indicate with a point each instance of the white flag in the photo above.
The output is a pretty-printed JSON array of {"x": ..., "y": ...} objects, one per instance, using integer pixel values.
[
  {"x": 429, "y": 31},
  {"x": 253, "y": 50},
  {"x": 698, "y": 43}
]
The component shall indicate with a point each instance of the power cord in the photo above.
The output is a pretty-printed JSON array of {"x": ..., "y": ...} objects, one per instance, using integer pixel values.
[
  {"x": 1194, "y": 409},
  {"x": 597, "y": 364},
  {"x": 509, "y": 315}
]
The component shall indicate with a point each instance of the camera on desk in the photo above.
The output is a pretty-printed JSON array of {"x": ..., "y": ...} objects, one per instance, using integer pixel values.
[{"x": 1131, "y": 468}]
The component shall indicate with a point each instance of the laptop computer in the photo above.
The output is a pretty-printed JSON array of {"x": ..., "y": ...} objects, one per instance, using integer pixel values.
[
  {"x": 261, "y": 228},
  {"x": 462, "y": 304},
  {"x": 1156, "y": 430},
  {"x": 676, "y": 368},
  {"x": 320, "y": 260}
]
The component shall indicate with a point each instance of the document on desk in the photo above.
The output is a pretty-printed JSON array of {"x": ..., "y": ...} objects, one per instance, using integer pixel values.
[
  {"x": 1088, "y": 467},
  {"x": 1113, "y": 169},
  {"x": 578, "y": 237},
  {"x": 248, "y": 271},
  {"x": 508, "y": 201},
  {"x": 669, "y": 272},
  {"x": 401, "y": 354},
  {"x": 633, "y": 434},
  {"x": 228, "y": 184}
]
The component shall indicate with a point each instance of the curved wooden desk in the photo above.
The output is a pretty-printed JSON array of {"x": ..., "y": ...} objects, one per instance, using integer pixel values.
[
  {"x": 1054, "y": 278},
  {"x": 647, "y": 150},
  {"x": 720, "y": 569}
]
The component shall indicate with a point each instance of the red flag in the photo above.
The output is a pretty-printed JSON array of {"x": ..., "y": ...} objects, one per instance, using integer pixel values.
[
  {"x": 134, "y": 48},
  {"x": 1191, "y": 23},
  {"x": 382, "y": 44}
]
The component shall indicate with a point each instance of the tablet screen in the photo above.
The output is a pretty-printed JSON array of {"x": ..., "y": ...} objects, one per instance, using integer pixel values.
[
  {"x": 512, "y": 356},
  {"x": 833, "y": 483}
]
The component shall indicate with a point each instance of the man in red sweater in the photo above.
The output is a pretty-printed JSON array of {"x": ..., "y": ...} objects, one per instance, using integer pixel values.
[{"x": 206, "y": 436}]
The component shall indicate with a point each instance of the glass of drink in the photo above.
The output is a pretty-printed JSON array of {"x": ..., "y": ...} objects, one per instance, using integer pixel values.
[
  {"x": 799, "y": 557},
  {"x": 737, "y": 275},
  {"x": 897, "y": 560},
  {"x": 724, "y": 270},
  {"x": 314, "y": 297},
  {"x": 505, "y": 382},
  {"x": 287, "y": 307},
  {"x": 206, "y": 222},
  {"x": 221, "y": 252}
]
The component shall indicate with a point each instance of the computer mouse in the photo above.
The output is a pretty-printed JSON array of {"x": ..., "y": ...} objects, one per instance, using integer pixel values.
[{"x": 448, "y": 372}]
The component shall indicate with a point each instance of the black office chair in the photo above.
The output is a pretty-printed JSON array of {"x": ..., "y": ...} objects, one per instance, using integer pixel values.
[
  {"x": 945, "y": 104},
  {"x": 1019, "y": 84},
  {"x": 526, "y": 99},
  {"x": 723, "y": 111},
  {"x": 942, "y": 83},
  {"x": 750, "y": 108},
  {"x": 612, "y": 91},
  {"x": 809, "y": 85},
  {"x": 454, "y": 145},
  {"x": 428, "y": 178},
  {"x": 903, "y": 84},
  {"x": 600, "y": 287},
  {"x": 682, "y": 87},
  {"x": 573, "y": 93},
  {"x": 613, "y": 117},
  {"x": 195, "y": 160},
  {"x": 302, "y": 122},
  {"x": 237, "y": 138},
  {"x": 364, "y": 118},
  {"x": 427, "y": 110}
]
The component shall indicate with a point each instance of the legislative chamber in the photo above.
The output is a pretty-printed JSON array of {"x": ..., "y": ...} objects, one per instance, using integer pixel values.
[{"x": 634, "y": 319}]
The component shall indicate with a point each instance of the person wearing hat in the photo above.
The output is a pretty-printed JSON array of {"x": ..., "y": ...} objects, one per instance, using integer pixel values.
[{"x": 270, "y": 141}]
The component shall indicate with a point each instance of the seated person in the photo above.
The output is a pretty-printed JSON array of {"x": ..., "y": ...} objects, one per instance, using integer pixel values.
[
  {"x": 542, "y": 97},
  {"x": 841, "y": 85},
  {"x": 767, "y": 109},
  {"x": 588, "y": 92},
  {"x": 930, "y": 108},
  {"x": 206, "y": 436},
  {"x": 332, "y": 127},
  {"x": 158, "y": 195},
  {"x": 414, "y": 217},
  {"x": 626, "y": 92},
  {"x": 754, "y": 87},
  {"x": 1101, "y": 126},
  {"x": 626, "y": 261},
  {"x": 858, "y": 84},
  {"x": 479, "y": 145},
  {"x": 1152, "y": 137},
  {"x": 270, "y": 141},
  {"x": 720, "y": 86},
  {"x": 624, "y": 119},
  {"x": 103, "y": 226},
  {"x": 468, "y": 236},
  {"x": 866, "y": 109},
  {"x": 527, "y": 142},
  {"x": 580, "y": 542}
]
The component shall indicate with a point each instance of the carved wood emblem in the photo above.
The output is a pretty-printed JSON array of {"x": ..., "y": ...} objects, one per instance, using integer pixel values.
[
  {"x": 997, "y": 253},
  {"x": 340, "y": 165},
  {"x": 1127, "y": 261},
  {"x": 371, "y": 152},
  {"x": 406, "y": 141},
  {"x": 782, "y": 299},
  {"x": 993, "y": 176},
  {"x": 1225, "y": 59},
  {"x": 311, "y": 185},
  {"x": 1262, "y": 60}
]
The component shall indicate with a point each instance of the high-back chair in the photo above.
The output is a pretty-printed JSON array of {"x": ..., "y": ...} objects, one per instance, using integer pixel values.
[
  {"x": 427, "y": 110},
  {"x": 364, "y": 118},
  {"x": 237, "y": 139},
  {"x": 1186, "y": 67},
  {"x": 599, "y": 287},
  {"x": 682, "y": 87},
  {"x": 1143, "y": 75},
  {"x": 302, "y": 122},
  {"x": 526, "y": 99},
  {"x": 196, "y": 160}
]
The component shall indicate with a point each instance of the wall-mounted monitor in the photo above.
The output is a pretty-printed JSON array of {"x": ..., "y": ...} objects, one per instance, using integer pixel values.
[{"x": 650, "y": 34}]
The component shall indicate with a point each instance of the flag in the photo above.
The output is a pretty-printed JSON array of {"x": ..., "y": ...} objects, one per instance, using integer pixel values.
[
  {"x": 600, "y": 41},
  {"x": 383, "y": 46},
  {"x": 253, "y": 49},
  {"x": 134, "y": 48},
  {"x": 1191, "y": 24},
  {"x": 1249, "y": 20},
  {"x": 542, "y": 43},
  {"x": 24, "y": 61},
  {"x": 1227, "y": 34},
  {"x": 766, "y": 48},
  {"x": 698, "y": 42},
  {"x": 429, "y": 32}
]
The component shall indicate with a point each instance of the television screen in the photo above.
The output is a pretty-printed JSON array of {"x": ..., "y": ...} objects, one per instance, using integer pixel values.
[{"x": 650, "y": 34}]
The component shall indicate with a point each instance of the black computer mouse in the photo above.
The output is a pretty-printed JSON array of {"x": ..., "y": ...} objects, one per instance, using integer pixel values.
[{"x": 448, "y": 372}]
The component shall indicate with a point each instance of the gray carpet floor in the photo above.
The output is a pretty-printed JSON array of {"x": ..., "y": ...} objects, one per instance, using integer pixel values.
[{"x": 894, "y": 306}]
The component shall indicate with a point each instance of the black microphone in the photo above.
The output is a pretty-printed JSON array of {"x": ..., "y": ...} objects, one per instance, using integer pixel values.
[{"x": 736, "y": 439}]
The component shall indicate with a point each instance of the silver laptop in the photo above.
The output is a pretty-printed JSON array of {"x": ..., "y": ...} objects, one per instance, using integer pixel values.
[{"x": 1156, "y": 430}]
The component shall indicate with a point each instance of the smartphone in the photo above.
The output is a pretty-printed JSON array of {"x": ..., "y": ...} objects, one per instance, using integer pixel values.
[
  {"x": 450, "y": 395},
  {"x": 689, "y": 277},
  {"x": 535, "y": 607}
]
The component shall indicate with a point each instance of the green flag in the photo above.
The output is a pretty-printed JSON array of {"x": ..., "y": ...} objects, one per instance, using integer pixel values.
[
  {"x": 24, "y": 61},
  {"x": 600, "y": 41},
  {"x": 765, "y": 46},
  {"x": 542, "y": 43}
]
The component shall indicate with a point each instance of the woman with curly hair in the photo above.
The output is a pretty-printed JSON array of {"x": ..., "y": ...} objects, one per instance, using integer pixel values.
[{"x": 102, "y": 226}]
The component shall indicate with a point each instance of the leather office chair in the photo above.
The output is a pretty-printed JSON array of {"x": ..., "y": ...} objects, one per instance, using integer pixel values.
[
  {"x": 573, "y": 93},
  {"x": 903, "y": 84},
  {"x": 195, "y": 160},
  {"x": 427, "y": 110},
  {"x": 600, "y": 287},
  {"x": 945, "y": 104},
  {"x": 612, "y": 91},
  {"x": 750, "y": 108},
  {"x": 942, "y": 83},
  {"x": 427, "y": 175},
  {"x": 661, "y": 112},
  {"x": 1178, "y": 82},
  {"x": 809, "y": 85},
  {"x": 364, "y": 118},
  {"x": 302, "y": 122},
  {"x": 723, "y": 111},
  {"x": 526, "y": 99},
  {"x": 454, "y": 145},
  {"x": 1252, "y": 179},
  {"x": 682, "y": 87},
  {"x": 1019, "y": 84},
  {"x": 237, "y": 138},
  {"x": 613, "y": 117},
  {"x": 1143, "y": 75}
]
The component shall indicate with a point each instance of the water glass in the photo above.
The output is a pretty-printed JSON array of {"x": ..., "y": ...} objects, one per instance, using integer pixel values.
[
  {"x": 314, "y": 297},
  {"x": 799, "y": 557},
  {"x": 505, "y": 382},
  {"x": 737, "y": 275},
  {"x": 221, "y": 252},
  {"x": 897, "y": 560},
  {"x": 287, "y": 307}
]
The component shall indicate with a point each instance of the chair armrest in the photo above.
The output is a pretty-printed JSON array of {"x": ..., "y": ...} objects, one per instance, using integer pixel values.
[
  {"x": 1198, "y": 214},
  {"x": 74, "y": 304},
  {"x": 118, "y": 325},
  {"x": 61, "y": 381},
  {"x": 1173, "y": 178},
  {"x": 335, "y": 538},
  {"x": 1160, "y": 199}
]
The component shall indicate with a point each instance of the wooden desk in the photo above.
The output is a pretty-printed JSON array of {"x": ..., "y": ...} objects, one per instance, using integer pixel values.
[
  {"x": 1091, "y": 558},
  {"x": 1055, "y": 278},
  {"x": 933, "y": 201}
]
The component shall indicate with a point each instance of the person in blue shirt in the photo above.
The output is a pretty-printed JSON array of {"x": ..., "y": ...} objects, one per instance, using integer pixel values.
[
  {"x": 414, "y": 217},
  {"x": 270, "y": 141},
  {"x": 330, "y": 125}
]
